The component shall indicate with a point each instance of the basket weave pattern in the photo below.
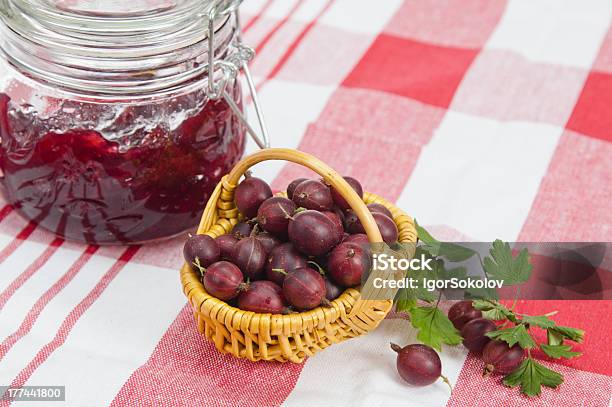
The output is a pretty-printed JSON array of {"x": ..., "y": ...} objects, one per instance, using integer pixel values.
[{"x": 290, "y": 337}]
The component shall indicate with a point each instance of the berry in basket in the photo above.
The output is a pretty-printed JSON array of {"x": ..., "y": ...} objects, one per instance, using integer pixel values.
[
  {"x": 201, "y": 250},
  {"x": 348, "y": 263},
  {"x": 224, "y": 280},
  {"x": 304, "y": 289},
  {"x": 250, "y": 194},
  {"x": 263, "y": 297},
  {"x": 267, "y": 259},
  {"x": 250, "y": 255},
  {"x": 385, "y": 224},
  {"x": 313, "y": 194},
  {"x": 274, "y": 215},
  {"x": 283, "y": 259}
]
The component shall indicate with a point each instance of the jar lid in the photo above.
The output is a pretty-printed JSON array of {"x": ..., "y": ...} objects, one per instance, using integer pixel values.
[
  {"x": 119, "y": 47},
  {"x": 118, "y": 16}
]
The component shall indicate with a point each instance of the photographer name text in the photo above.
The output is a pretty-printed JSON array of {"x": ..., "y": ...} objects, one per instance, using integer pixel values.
[{"x": 385, "y": 262}]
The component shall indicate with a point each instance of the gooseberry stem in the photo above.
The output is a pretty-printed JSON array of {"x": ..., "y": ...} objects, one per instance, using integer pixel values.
[
  {"x": 489, "y": 368},
  {"x": 445, "y": 380},
  {"x": 439, "y": 298},
  {"x": 285, "y": 212},
  {"x": 516, "y": 297},
  {"x": 197, "y": 264},
  {"x": 319, "y": 268}
]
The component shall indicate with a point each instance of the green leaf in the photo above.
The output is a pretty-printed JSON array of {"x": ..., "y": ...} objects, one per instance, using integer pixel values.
[
  {"x": 559, "y": 351},
  {"x": 454, "y": 252},
  {"x": 424, "y": 235},
  {"x": 434, "y": 327},
  {"x": 554, "y": 338},
  {"x": 573, "y": 334},
  {"x": 531, "y": 376},
  {"x": 503, "y": 266},
  {"x": 405, "y": 299},
  {"x": 483, "y": 305},
  {"x": 494, "y": 315},
  {"x": 451, "y": 251},
  {"x": 423, "y": 294},
  {"x": 460, "y": 273},
  {"x": 438, "y": 270},
  {"x": 540, "y": 320},
  {"x": 420, "y": 292},
  {"x": 493, "y": 310},
  {"x": 516, "y": 334}
]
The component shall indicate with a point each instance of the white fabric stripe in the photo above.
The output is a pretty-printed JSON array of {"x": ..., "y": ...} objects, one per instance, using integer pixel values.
[
  {"x": 18, "y": 261},
  {"x": 547, "y": 31},
  {"x": 252, "y": 7},
  {"x": 24, "y": 298},
  {"x": 53, "y": 315},
  {"x": 115, "y": 336},
  {"x": 309, "y": 10},
  {"x": 362, "y": 372},
  {"x": 5, "y": 240},
  {"x": 363, "y": 16},
  {"x": 277, "y": 10},
  {"x": 480, "y": 176}
]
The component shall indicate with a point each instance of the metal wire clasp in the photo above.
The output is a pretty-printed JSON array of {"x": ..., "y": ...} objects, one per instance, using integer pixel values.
[{"x": 230, "y": 68}]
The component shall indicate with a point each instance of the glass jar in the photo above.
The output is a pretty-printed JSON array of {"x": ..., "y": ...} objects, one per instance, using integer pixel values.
[{"x": 110, "y": 130}]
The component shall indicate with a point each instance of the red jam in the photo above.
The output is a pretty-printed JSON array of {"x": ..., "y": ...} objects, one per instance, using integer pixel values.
[{"x": 83, "y": 186}]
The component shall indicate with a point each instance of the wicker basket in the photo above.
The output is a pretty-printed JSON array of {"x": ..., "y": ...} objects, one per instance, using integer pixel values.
[{"x": 292, "y": 337}]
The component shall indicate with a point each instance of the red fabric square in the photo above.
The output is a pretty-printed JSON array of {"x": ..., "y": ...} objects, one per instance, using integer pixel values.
[
  {"x": 593, "y": 112},
  {"x": 573, "y": 203},
  {"x": 424, "y": 72}
]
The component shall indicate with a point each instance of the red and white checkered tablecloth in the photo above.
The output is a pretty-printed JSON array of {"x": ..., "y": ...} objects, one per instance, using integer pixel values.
[{"x": 483, "y": 118}]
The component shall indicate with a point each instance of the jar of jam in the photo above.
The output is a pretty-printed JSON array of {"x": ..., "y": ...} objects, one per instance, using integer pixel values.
[{"x": 118, "y": 118}]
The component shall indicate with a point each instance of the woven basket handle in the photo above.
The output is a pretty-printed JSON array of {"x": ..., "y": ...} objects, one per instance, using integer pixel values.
[{"x": 329, "y": 175}]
